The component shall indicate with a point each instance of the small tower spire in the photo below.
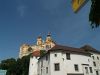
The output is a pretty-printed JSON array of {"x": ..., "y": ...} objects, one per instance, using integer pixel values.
[
  {"x": 39, "y": 41},
  {"x": 49, "y": 42},
  {"x": 48, "y": 38},
  {"x": 49, "y": 34}
]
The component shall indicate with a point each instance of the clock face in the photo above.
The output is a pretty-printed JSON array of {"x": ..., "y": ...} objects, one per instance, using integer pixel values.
[{"x": 77, "y": 4}]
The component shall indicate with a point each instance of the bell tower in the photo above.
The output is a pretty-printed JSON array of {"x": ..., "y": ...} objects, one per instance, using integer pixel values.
[
  {"x": 48, "y": 38},
  {"x": 49, "y": 42},
  {"x": 39, "y": 41}
]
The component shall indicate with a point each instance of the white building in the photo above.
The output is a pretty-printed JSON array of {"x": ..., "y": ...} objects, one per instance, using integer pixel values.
[
  {"x": 63, "y": 60},
  {"x": 95, "y": 55},
  {"x": 33, "y": 66}
]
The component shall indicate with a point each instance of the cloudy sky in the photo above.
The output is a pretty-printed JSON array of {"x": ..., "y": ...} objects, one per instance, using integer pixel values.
[{"x": 22, "y": 21}]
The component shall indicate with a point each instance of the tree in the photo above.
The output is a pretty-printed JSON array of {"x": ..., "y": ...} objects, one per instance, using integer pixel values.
[
  {"x": 94, "y": 16},
  {"x": 42, "y": 52},
  {"x": 25, "y": 64},
  {"x": 16, "y": 67},
  {"x": 6, "y": 64},
  {"x": 9, "y": 65}
]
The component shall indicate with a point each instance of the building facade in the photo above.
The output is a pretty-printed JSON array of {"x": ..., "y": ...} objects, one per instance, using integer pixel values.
[
  {"x": 33, "y": 65},
  {"x": 26, "y": 49},
  {"x": 63, "y": 60}
]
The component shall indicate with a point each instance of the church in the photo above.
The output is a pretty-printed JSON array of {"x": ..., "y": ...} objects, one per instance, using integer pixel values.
[{"x": 26, "y": 49}]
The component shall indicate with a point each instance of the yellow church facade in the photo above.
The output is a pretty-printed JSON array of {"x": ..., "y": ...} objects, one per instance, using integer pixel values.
[{"x": 26, "y": 49}]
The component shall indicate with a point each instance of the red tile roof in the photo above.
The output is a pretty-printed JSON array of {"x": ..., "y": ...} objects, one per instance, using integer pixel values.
[
  {"x": 36, "y": 53},
  {"x": 68, "y": 49},
  {"x": 89, "y": 48}
]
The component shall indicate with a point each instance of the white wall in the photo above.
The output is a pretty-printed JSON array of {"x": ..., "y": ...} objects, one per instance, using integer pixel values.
[
  {"x": 33, "y": 66},
  {"x": 67, "y": 66},
  {"x": 97, "y": 61},
  {"x": 42, "y": 64},
  {"x": 57, "y": 59}
]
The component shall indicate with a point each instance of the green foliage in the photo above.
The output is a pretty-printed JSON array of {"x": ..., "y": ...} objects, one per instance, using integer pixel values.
[
  {"x": 94, "y": 16},
  {"x": 42, "y": 52},
  {"x": 19, "y": 66},
  {"x": 16, "y": 67},
  {"x": 6, "y": 64},
  {"x": 25, "y": 65}
]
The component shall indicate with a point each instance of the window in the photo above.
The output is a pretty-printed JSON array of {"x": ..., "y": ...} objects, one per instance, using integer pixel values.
[
  {"x": 57, "y": 66},
  {"x": 94, "y": 63},
  {"x": 93, "y": 57},
  {"x": 91, "y": 70},
  {"x": 41, "y": 64},
  {"x": 76, "y": 67},
  {"x": 55, "y": 55},
  {"x": 97, "y": 57},
  {"x": 68, "y": 56},
  {"x": 86, "y": 69},
  {"x": 88, "y": 60},
  {"x": 63, "y": 59},
  {"x": 41, "y": 71},
  {"x": 46, "y": 69},
  {"x": 46, "y": 57},
  {"x": 47, "y": 47},
  {"x": 97, "y": 73}
]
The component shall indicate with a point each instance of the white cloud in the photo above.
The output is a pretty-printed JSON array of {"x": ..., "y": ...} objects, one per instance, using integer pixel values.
[{"x": 21, "y": 9}]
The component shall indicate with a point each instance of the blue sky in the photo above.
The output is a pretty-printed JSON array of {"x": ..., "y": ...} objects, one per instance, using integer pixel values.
[{"x": 21, "y": 21}]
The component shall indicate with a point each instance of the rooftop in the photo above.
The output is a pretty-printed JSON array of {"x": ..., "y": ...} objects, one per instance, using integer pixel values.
[{"x": 68, "y": 49}]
